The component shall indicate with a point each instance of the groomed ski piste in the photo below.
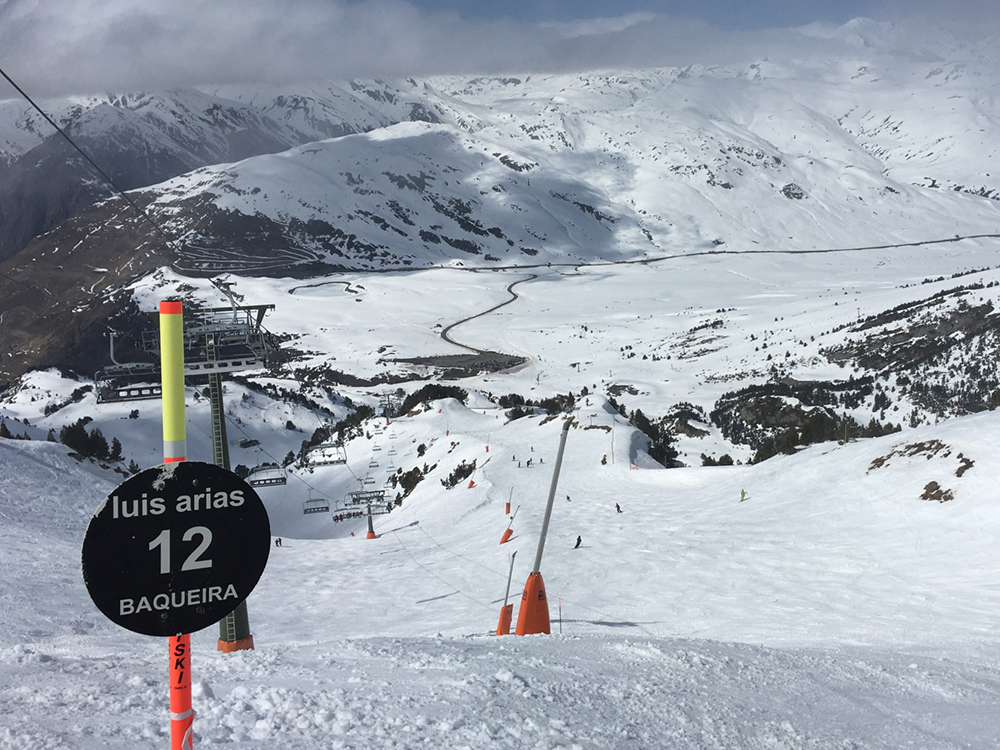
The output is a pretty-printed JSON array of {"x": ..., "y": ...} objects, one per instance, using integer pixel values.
[
  {"x": 830, "y": 608},
  {"x": 833, "y": 607}
]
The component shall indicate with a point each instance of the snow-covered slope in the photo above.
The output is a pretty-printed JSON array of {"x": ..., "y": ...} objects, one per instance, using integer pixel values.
[{"x": 832, "y": 607}]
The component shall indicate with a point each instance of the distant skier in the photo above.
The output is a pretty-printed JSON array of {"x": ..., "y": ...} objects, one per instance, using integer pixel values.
[
  {"x": 567, "y": 498},
  {"x": 743, "y": 495},
  {"x": 579, "y": 541},
  {"x": 277, "y": 542},
  {"x": 618, "y": 507}
]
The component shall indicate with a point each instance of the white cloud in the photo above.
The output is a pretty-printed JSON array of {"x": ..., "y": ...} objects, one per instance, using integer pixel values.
[{"x": 94, "y": 46}]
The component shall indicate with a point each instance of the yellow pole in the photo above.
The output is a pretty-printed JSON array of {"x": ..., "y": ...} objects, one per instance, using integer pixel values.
[
  {"x": 175, "y": 450},
  {"x": 172, "y": 380}
]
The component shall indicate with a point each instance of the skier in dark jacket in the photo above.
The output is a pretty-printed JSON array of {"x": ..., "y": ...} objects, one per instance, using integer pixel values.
[{"x": 579, "y": 541}]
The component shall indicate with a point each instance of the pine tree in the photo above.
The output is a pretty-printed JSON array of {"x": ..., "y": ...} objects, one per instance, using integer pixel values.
[
  {"x": 97, "y": 444},
  {"x": 116, "y": 450},
  {"x": 74, "y": 436}
]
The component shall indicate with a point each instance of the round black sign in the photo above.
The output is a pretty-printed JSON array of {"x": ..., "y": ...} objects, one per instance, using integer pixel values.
[{"x": 175, "y": 548}]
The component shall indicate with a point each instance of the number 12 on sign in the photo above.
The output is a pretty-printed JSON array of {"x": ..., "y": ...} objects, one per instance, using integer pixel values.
[{"x": 193, "y": 561}]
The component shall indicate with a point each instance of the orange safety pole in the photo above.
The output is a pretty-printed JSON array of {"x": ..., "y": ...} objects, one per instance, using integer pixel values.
[
  {"x": 175, "y": 450},
  {"x": 507, "y": 610},
  {"x": 181, "y": 713}
]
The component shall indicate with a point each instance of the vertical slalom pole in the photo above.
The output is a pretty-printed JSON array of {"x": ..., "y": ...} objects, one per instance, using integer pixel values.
[
  {"x": 533, "y": 615},
  {"x": 181, "y": 713},
  {"x": 175, "y": 450},
  {"x": 503, "y": 626}
]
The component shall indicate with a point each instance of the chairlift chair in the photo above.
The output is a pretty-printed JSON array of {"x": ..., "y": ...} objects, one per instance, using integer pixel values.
[
  {"x": 364, "y": 497},
  {"x": 315, "y": 505},
  {"x": 265, "y": 476},
  {"x": 327, "y": 454}
]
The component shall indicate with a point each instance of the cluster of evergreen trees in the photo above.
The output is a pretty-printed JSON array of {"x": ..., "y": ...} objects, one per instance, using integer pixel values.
[
  {"x": 661, "y": 438},
  {"x": 6, "y": 433},
  {"x": 462, "y": 471},
  {"x": 821, "y": 427},
  {"x": 90, "y": 444},
  {"x": 433, "y": 392}
]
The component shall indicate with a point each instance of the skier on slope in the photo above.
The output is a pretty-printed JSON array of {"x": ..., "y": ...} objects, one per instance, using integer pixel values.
[
  {"x": 579, "y": 541},
  {"x": 618, "y": 507}
]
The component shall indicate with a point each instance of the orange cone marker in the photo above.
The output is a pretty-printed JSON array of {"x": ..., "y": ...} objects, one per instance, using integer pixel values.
[
  {"x": 533, "y": 616},
  {"x": 506, "y": 613}
]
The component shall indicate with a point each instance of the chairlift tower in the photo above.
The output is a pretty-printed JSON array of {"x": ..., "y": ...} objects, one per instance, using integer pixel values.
[
  {"x": 371, "y": 503},
  {"x": 218, "y": 333}
]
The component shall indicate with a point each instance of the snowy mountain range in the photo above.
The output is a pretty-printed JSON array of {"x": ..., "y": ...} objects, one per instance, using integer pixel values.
[{"x": 886, "y": 145}]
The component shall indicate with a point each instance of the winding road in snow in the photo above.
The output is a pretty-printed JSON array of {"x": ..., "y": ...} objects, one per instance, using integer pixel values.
[{"x": 446, "y": 333}]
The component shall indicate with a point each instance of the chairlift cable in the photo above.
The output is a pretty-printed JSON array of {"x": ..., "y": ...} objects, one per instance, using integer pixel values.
[
  {"x": 142, "y": 212},
  {"x": 435, "y": 575}
]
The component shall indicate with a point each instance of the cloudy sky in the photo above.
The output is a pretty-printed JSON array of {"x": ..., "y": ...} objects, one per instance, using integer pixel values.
[{"x": 53, "y": 47}]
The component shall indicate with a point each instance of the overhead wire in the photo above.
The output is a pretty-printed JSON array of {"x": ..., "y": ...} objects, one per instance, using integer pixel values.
[
  {"x": 156, "y": 227},
  {"x": 116, "y": 187},
  {"x": 138, "y": 209}
]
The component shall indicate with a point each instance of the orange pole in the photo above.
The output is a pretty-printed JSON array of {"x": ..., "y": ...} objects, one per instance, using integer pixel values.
[
  {"x": 175, "y": 450},
  {"x": 507, "y": 611},
  {"x": 181, "y": 713}
]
